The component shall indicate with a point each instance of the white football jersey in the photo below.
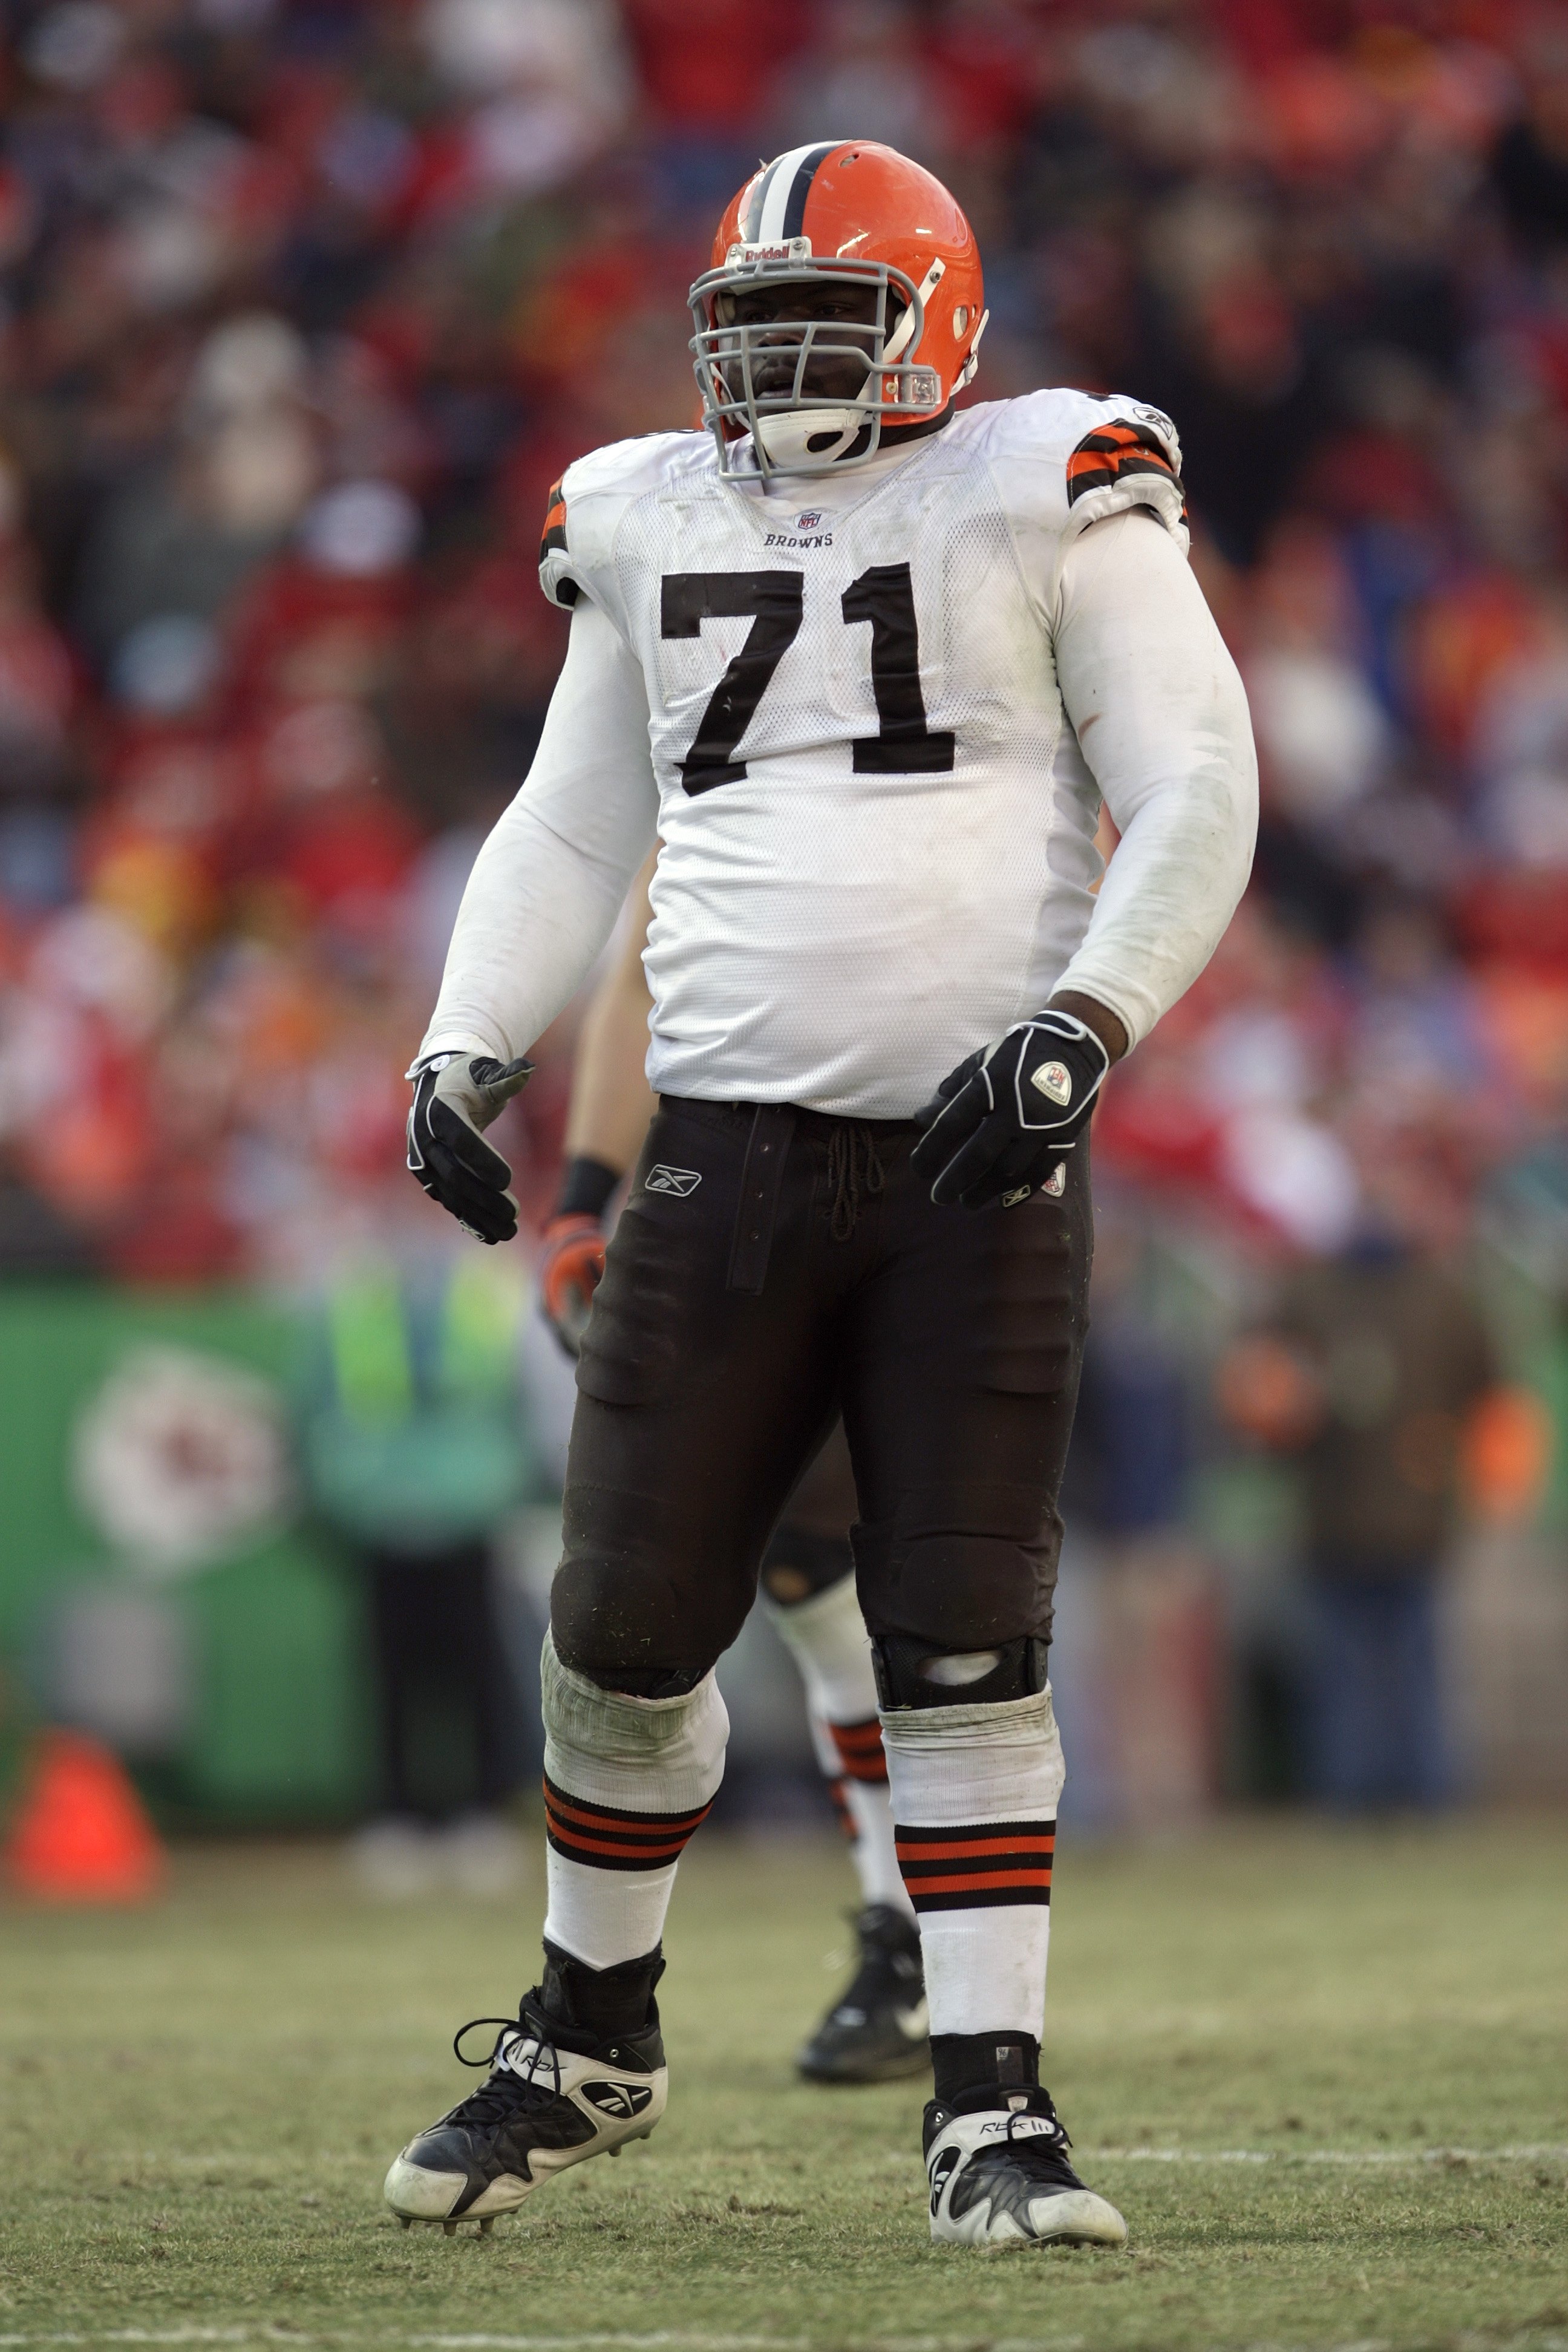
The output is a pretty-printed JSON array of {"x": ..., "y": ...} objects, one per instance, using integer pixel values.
[{"x": 878, "y": 827}]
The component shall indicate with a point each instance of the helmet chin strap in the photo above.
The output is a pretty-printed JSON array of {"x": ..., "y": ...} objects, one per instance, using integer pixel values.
[{"x": 786, "y": 438}]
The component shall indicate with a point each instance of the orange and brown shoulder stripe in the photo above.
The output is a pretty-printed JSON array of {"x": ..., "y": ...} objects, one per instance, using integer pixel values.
[
  {"x": 552, "y": 541},
  {"x": 1114, "y": 453}
]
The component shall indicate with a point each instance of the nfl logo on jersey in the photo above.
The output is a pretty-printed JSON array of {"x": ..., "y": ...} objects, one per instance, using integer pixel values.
[{"x": 810, "y": 520}]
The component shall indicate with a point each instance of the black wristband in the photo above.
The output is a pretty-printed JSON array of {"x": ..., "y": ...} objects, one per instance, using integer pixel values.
[{"x": 585, "y": 1189}]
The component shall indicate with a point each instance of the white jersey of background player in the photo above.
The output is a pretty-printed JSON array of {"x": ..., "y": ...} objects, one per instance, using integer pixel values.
[{"x": 861, "y": 663}]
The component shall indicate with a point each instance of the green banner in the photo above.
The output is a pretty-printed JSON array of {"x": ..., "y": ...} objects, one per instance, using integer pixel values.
[{"x": 158, "y": 1581}]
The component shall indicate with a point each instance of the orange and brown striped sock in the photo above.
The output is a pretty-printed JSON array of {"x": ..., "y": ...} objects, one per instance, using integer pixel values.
[
  {"x": 974, "y": 1796},
  {"x": 626, "y": 1783}
]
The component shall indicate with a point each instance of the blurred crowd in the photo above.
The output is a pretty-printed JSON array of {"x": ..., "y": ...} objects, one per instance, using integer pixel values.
[
  {"x": 304, "y": 303},
  {"x": 304, "y": 307}
]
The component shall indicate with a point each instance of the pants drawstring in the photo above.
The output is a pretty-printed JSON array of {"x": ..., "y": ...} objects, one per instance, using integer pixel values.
[{"x": 853, "y": 1168}]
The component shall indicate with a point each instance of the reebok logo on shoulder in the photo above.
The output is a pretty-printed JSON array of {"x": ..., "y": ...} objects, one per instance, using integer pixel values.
[{"x": 678, "y": 1180}]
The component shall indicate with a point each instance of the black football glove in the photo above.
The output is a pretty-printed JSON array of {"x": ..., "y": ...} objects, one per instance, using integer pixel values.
[
  {"x": 456, "y": 1096},
  {"x": 1004, "y": 1117}
]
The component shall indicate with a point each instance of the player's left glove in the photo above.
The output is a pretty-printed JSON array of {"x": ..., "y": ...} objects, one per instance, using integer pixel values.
[
  {"x": 1003, "y": 1118},
  {"x": 455, "y": 1096}
]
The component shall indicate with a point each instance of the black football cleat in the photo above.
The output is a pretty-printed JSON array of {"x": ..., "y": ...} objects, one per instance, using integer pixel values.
[
  {"x": 554, "y": 2097},
  {"x": 997, "y": 2162},
  {"x": 876, "y": 2030}
]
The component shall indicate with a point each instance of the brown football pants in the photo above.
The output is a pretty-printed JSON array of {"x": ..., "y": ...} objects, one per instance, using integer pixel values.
[{"x": 774, "y": 1267}]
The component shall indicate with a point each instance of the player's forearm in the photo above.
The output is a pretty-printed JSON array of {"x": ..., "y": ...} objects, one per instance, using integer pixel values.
[
  {"x": 1162, "y": 722},
  {"x": 612, "y": 1101},
  {"x": 610, "y": 1112},
  {"x": 1163, "y": 906},
  {"x": 547, "y": 884}
]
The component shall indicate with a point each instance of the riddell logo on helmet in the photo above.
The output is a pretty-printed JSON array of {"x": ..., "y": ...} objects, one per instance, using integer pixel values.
[{"x": 756, "y": 257}]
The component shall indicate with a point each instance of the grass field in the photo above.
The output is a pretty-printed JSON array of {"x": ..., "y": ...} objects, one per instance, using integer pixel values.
[{"x": 1324, "y": 2074}]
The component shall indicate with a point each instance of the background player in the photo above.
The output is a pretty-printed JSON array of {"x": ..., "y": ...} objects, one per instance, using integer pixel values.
[
  {"x": 877, "y": 2029},
  {"x": 868, "y": 694}
]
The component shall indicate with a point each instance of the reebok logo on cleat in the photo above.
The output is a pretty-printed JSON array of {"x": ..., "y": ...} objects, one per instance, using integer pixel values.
[
  {"x": 1019, "y": 1192},
  {"x": 617, "y": 2098},
  {"x": 678, "y": 1180},
  {"x": 1054, "y": 1080}
]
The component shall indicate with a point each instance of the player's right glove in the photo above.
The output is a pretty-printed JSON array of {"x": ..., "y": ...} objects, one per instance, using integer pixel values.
[
  {"x": 572, "y": 1261},
  {"x": 1004, "y": 1117},
  {"x": 455, "y": 1096}
]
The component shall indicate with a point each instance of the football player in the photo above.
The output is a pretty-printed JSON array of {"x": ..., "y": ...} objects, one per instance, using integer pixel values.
[
  {"x": 877, "y": 2029},
  {"x": 867, "y": 664}
]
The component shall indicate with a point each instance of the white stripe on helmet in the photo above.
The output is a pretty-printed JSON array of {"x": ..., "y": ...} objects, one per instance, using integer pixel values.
[{"x": 781, "y": 186}]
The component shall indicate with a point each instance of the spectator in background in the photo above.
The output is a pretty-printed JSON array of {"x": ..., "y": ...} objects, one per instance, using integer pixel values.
[
  {"x": 415, "y": 1451},
  {"x": 182, "y": 537},
  {"x": 1371, "y": 1372}
]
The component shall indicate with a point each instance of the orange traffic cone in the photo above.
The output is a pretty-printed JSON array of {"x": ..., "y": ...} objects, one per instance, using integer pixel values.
[{"x": 80, "y": 1834}]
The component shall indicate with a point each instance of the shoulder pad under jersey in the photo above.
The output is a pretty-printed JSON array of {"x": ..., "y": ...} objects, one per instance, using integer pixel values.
[
  {"x": 585, "y": 507},
  {"x": 1063, "y": 460}
]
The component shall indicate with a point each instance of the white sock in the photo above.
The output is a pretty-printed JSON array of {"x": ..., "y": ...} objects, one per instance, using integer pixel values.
[
  {"x": 975, "y": 1791},
  {"x": 874, "y": 1847},
  {"x": 627, "y": 1781},
  {"x": 827, "y": 1638}
]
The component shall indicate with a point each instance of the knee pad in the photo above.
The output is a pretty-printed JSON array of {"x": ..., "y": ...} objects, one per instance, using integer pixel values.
[
  {"x": 633, "y": 1607},
  {"x": 622, "y": 1628},
  {"x": 911, "y": 1673},
  {"x": 610, "y": 1747},
  {"x": 962, "y": 1574}
]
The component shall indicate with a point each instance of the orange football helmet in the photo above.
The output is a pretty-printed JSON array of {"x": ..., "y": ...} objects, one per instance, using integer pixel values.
[{"x": 846, "y": 211}]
